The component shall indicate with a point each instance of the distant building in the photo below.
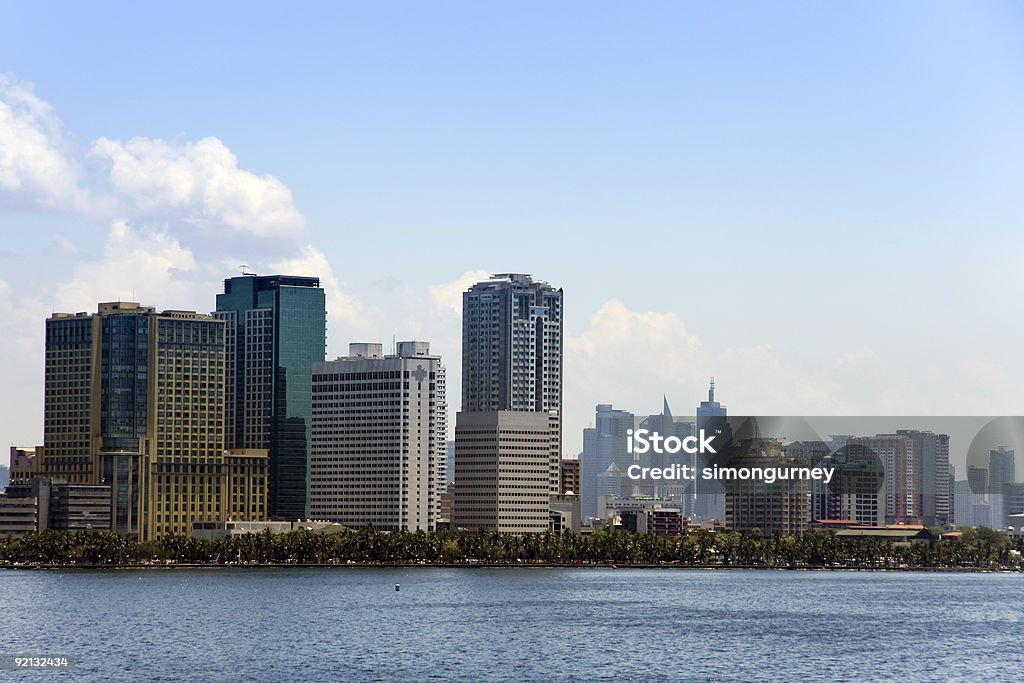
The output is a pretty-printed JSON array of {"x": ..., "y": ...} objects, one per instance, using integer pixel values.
[
  {"x": 603, "y": 445},
  {"x": 1013, "y": 505},
  {"x": 645, "y": 515},
  {"x": 709, "y": 498},
  {"x": 570, "y": 476},
  {"x": 933, "y": 483},
  {"x": 275, "y": 330},
  {"x": 779, "y": 508},
  {"x": 18, "y": 516},
  {"x": 901, "y": 459},
  {"x": 502, "y": 468},
  {"x": 24, "y": 463},
  {"x": 379, "y": 424},
  {"x": 217, "y": 529},
  {"x": 857, "y": 489},
  {"x": 811, "y": 453},
  {"x": 512, "y": 353},
  {"x": 1001, "y": 471},
  {"x": 977, "y": 477},
  {"x": 565, "y": 513},
  {"x": 50, "y": 503},
  {"x": 449, "y": 469}
]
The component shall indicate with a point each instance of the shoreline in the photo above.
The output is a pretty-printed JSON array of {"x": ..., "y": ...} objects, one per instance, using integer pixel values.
[{"x": 493, "y": 565}]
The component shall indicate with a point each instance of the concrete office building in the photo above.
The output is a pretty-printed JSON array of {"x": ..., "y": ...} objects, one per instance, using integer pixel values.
[
  {"x": 379, "y": 425},
  {"x": 933, "y": 483},
  {"x": 512, "y": 353},
  {"x": 502, "y": 472},
  {"x": 901, "y": 459},
  {"x": 570, "y": 477},
  {"x": 64, "y": 506},
  {"x": 782, "y": 507},
  {"x": 134, "y": 399},
  {"x": 276, "y": 330},
  {"x": 24, "y": 460}
]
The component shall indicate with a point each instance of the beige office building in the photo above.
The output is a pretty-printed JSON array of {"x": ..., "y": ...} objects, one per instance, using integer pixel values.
[
  {"x": 135, "y": 399},
  {"x": 502, "y": 471}
]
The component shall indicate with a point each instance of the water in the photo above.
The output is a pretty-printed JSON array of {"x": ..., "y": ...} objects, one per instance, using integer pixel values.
[{"x": 514, "y": 625}]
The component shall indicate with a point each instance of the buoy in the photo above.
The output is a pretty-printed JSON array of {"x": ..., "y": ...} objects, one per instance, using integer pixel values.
[{"x": 398, "y": 587}]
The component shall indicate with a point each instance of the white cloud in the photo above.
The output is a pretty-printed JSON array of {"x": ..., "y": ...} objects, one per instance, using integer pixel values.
[
  {"x": 347, "y": 317},
  {"x": 629, "y": 358},
  {"x": 36, "y": 167},
  {"x": 62, "y": 246},
  {"x": 448, "y": 296},
  {"x": 199, "y": 183},
  {"x": 144, "y": 266}
]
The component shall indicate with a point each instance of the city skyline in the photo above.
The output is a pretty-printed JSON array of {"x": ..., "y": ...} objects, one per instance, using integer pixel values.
[{"x": 654, "y": 185}]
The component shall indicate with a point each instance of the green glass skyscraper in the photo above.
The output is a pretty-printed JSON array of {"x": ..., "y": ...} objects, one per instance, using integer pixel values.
[{"x": 276, "y": 331}]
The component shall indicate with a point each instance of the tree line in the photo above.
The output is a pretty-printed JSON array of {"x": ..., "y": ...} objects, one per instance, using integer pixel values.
[{"x": 978, "y": 547}]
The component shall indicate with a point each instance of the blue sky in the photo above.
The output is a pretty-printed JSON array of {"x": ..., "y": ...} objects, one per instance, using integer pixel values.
[{"x": 819, "y": 204}]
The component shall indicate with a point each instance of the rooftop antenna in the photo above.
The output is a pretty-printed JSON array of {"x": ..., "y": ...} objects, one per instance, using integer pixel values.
[
  {"x": 245, "y": 269},
  {"x": 711, "y": 391}
]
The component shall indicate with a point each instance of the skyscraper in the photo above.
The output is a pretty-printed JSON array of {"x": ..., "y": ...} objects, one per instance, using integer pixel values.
[
  {"x": 512, "y": 352},
  {"x": 900, "y": 456},
  {"x": 709, "y": 498},
  {"x": 379, "y": 426},
  {"x": 1001, "y": 471},
  {"x": 603, "y": 444},
  {"x": 135, "y": 400},
  {"x": 276, "y": 330},
  {"x": 933, "y": 484}
]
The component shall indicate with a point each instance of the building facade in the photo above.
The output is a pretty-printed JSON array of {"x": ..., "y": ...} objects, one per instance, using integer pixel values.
[
  {"x": 378, "y": 440},
  {"x": 782, "y": 507},
  {"x": 275, "y": 332},
  {"x": 502, "y": 469},
  {"x": 604, "y": 444},
  {"x": 134, "y": 400},
  {"x": 512, "y": 342}
]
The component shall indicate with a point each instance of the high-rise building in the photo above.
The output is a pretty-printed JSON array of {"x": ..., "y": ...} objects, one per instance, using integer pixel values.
[
  {"x": 1001, "y": 471},
  {"x": 379, "y": 426},
  {"x": 709, "y": 496},
  {"x": 135, "y": 400},
  {"x": 603, "y": 444},
  {"x": 276, "y": 330},
  {"x": 512, "y": 352},
  {"x": 501, "y": 472},
  {"x": 934, "y": 492},
  {"x": 977, "y": 477},
  {"x": 901, "y": 459},
  {"x": 710, "y": 408},
  {"x": 857, "y": 488},
  {"x": 782, "y": 507}
]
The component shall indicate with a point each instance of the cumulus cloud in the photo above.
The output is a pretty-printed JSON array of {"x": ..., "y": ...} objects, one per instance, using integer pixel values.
[
  {"x": 139, "y": 180},
  {"x": 145, "y": 266},
  {"x": 447, "y": 297},
  {"x": 347, "y": 317},
  {"x": 199, "y": 183},
  {"x": 37, "y": 168}
]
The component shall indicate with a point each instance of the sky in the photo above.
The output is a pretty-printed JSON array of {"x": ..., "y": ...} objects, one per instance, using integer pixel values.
[{"x": 820, "y": 204}]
